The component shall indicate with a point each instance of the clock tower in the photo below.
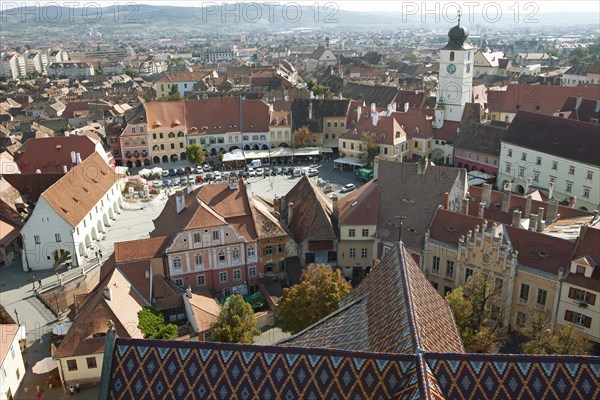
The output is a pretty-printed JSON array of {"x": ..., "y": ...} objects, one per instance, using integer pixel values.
[{"x": 455, "y": 84}]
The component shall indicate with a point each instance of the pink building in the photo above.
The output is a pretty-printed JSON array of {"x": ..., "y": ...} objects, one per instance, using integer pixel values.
[{"x": 134, "y": 139}]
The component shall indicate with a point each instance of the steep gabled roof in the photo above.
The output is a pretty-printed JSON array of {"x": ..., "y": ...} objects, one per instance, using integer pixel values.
[
  {"x": 360, "y": 207},
  {"x": 394, "y": 310},
  {"x": 74, "y": 195},
  {"x": 50, "y": 154},
  {"x": 140, "y": 249}
]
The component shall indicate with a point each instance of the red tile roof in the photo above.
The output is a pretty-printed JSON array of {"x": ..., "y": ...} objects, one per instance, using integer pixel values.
[
  {"x": 588, "y": 245},
  {"x": 360, "y": 207},
  {"x": 141, "y": 249},
  {"x": 49, "y": 154},
  {"x": 448, "y": 226},
  {"x": 220, "y": 115},
  {"x": 165, "y": 115}
]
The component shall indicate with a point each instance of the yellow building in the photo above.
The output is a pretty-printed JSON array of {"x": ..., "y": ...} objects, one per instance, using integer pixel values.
[{"x": 166, "y": 131}]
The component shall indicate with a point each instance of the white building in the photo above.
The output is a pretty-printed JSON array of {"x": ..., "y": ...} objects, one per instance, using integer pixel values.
[
  {"x": 488, "y": 63},
  {"x": 70, "y": 69},
  {"x": 12, "y": 368},
  {"x": 544, "y": 151},
  {"x": 71, "y": 215},
  {"x": 216, "y": 54},
  {"x": 455, "y": 84},
  {"x": 322, "y": 56}
]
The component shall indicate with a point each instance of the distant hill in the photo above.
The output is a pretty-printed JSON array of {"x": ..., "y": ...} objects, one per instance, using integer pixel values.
[{"x": 245, "y": 18}]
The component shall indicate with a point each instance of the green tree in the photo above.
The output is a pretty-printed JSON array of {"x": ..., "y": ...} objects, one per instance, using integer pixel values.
[
  {"x": 172, "y": 96},
  {"x": 236, "y": 323},
  {"x": 540, "y": 340},
  {"x": 319, "y": 293},
  {"x": 302, "y": 137},
  {"x": 130, "y": 72},
  {"x": 152, "y": 324},
  {"x": 370, "y": 150},
  {"x": 195, "y": 155},
  {"x": 471, "y": 304}
]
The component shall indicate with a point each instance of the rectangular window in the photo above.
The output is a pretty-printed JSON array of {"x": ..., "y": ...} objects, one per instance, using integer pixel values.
[
  {"x": 201, "y": 280},
  {"x": 541, "y": 297},
  {"x": 196, "y": 238},
  {"x": 495, "y": 312},
  {"x": 449, "y": 269},
  {"x": 91, "y": 362},
  {"x": 37, "y": 239},
  {"x": 586, "y": 192},
  {"x": 468, "y": 273},
  {"x": 507, "y": 168},
  {"x": 569, "y": 187},
  {"x": 72, "y": 365},
  {"x": 435, "y": 268},
  {"x": 215, "y": 235},
  {"x": 352, "y": 253},
  {"x": 57, "y": 237},
  {"x": 268, "y": 250},
  {"x": 538, "y": 160},
  {"x": 555, "y": 165},
  {"x": 577, "y": 318},
  {"x": 524, "y": 292},
  {"x": 251, "y": 252},
  {"x": 198, "y": 260},
  {"x": 281, "y": 248},
  {"x": 510, "y": 152},
  {"x": 221, "y": 257},
  {"x": 523, "y": 156},
  {"x": 536, "y": 176},
  {"x": 589, "y": 175},
  {"x": 521, "y": 171},
  {"x": 364, "y": 252},
  {"x": 179, "y": 282},
  {"x": 223, "y": 276},
  {"x": 252, "y": 272},
  {"x": 351, "y": 232},
  {"x": 571, "y": 170},
  {"x": 237, "y": 274},
  {"x": 177, "y": 264},
  {"x": 154, "y": 136},
  {"x": 498, "y": 284},
  {"x": 172, "y": 146},
  {"x": 365, "y": 233}
]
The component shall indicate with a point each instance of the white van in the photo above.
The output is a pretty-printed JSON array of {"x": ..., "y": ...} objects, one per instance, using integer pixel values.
[{"x": 255, "y": 164}]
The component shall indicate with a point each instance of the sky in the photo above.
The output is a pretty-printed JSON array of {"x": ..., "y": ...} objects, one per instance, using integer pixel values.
[{"x": 553, "y": 6}]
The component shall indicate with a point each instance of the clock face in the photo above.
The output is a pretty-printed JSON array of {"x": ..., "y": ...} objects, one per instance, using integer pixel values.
[
  {"x": 468, "y": 67},
  {"x": 451, "y": 68}
]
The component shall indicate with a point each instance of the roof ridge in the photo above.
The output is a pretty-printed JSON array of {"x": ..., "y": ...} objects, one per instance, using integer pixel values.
[{"x": 408, "y": 301}]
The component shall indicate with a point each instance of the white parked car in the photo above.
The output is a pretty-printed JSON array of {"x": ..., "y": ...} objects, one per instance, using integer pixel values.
[
  {"x": 259, "y": 172},
  {"x": 218, "y": 176},
  {"x": 348, "y": 188},
  {"x": 251, "y": 172},
  {"x": 199, "y": 169}
]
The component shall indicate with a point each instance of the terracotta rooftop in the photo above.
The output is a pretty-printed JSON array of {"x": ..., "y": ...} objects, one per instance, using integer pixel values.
[
  {"x": 140, "y": 249},
  {"x": 360, "y": 207},
  {"x": 165, "y": 115},
  {"x": 74, "y": 195},
  {"x": 448, "y": 226},
  {"x": 50, "y": 154},
  {"x": 205, "y": 311},
  {"x": 588, "y": 247},
  {"x": 220, "y": 115}
]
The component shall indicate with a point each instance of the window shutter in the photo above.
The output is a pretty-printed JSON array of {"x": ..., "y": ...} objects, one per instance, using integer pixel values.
[
  {"x": 592, "y": 299},
  {"x": 572, "y": 293},
  {"x": 587, "y": 322},
  {"x": 568, "y": 315}
]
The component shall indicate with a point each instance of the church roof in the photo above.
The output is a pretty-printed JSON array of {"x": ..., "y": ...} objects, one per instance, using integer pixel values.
[{"x": 457, "y": 38}]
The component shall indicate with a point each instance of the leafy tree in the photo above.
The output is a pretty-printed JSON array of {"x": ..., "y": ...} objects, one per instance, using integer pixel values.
[
  {"x": 319, "y": 293},
  {"x": 172, "y": 96},
  {"x": 302, "y": 137},
  {"x": 195, "y": 155},
  {"x": 370, "y": 150},
  {"x": 152, "y": 324},
  {"x": 130, "y": 72},
  {"x": 236, "y": 322},
  {"x": 471, "y": 305},
  {"x": 540, "y": 340}
]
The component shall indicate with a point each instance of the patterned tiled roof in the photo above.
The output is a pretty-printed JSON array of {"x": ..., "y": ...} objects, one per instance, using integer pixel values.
[{"x": 394, "y": 310}]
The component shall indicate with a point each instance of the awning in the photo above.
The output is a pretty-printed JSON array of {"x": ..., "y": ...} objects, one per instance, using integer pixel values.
[
  {"x": 255, "y": 154},
  {"x": 357, "y": 162},
  {"x": 326, "y": 150},
  {"x": 307, "y": 151},
  {"x": 234, "y": 155},
  {"x": 282, "y": 152}
]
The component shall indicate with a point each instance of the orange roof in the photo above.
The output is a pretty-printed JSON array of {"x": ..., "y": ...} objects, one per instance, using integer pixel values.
[
  {"x": 220, "y": 115},
  {"x": 165, "y": 115},
  {"x": 49, "y": 154},
  {"x": 205, "y": 311},
  {"x": 141, "y": 249},
  {"x": 360, "y": 207},
  {"x": 74, "y": 195}
]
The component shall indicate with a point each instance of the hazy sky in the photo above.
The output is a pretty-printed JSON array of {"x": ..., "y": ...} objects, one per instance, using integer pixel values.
[{"x": 365, "y": 5}]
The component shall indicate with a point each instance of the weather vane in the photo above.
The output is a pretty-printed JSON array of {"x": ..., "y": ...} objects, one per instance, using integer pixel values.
[{"x": 459, "y": 12}]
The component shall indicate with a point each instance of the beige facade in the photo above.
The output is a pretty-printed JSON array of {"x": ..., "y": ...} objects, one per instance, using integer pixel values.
[
  {"x": 280, "y": 135},
  {"x": 12, "y": 369},
  {"x": 333, "y": 128},
  {"x": 168, "y": 145},
  {"x": 83, "y": 369},
  {"x": 357, "y": 249}
]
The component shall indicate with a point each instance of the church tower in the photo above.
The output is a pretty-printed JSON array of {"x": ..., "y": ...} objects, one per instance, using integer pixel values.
[{"x": 455, "y": 86}]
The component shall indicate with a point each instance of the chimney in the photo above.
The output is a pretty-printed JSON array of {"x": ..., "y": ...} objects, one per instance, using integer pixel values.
[
  {"x": 572, "y": 201},
  {"x": 73, "y": 157},
  {"x": 233, "y": 184},
  {"x": 597, "y": 109},
  {"x": 65, "y": 169},
  {"x": 578, "y": 102},
  {"x": 78, "y": 158},
  {"x": 552, "y": 210},
  {"x": 373, "y": 107},
  {"x": 375, "y": 117},
  {"x": 188, "y": 292},
  {"x": 446, "y": 200},
  {"x": 422, "y": 165},
  {"x": 516, "y": 219},
  {"x": 376, "y": 168},
  {"x": 290, "y": 213},
  {"x": 532, "y": 222},
  {"x": 406, "y": 106},
  {"x": 481, "y": 209},
  {"x": 528, "y": 206},
  {"x": 66, "y": 133},
  {"x": 179, "y": 201},
  {"x": 528, "y": 183},
  {"x": 465, "y": 205},
  {"x": 551, "y": 190},
  {"x": 486, "y": 194},
  {"x": 358, "y": 111},
  {"x": 540, "y": 220},
  {"x": 506, "y": 198},
  {"x": 311, "y": 95},
  {"x": 38, "y": 171},
  {"x": 334, "y": 207},
  {"x": 310, "y": 113},
  {"x": 107, "y": 293}
]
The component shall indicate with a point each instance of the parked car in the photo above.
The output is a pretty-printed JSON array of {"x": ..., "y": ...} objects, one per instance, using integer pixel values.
[
  {"x": 348, "y": 188},
  {"x": 209, "y": 176},
  {"x": 259, "y": 172},
  {"x": 312, "y": 172},
  {"x": 276, "y": 171},
  {"x": 206, "y": 168},
  {"x": 199, "y": 169},
  {"x": 181, "y": 171},
  {"x": 175, "y": 181},
  {"x": 243, "y": 174},
  {"x": 267, "y": 171},
  {"x": 218, "y": 176},
  {"x": 166, "y": 183},
  {"x": 251, "y": 172},
  {"x": 198, "y": 178},
  {"x": 165, "y": 173},
  {"x": 188, "y": 170},
  {"x": 156, "y": 183},
  {"x": 184, "y": 180},
  {"x": 172, "y": 172}
]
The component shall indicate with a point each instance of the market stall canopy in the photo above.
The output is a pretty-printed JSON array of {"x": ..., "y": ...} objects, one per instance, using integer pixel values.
[{"x": 44, "y": 366}]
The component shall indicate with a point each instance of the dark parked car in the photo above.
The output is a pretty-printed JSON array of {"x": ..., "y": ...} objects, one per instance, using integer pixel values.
[
  {"x": 172, "y": 172},
  {"x": 180, "y": 171},
  {"x": 209, "y": 176},
  {"x": 266, "y": 171},
  {"x": 188, "y": 170},
  {"x": 276, "y": 171},
  {"x": 243, "y": 174}
]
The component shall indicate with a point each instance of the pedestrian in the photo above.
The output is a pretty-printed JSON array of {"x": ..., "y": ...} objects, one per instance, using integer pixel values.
[
  {"x": 39, "y": 395},
  {"x": 71, "y": 390},
  {"x": 40, "y": 282},
  {"x": 29, "y": 268},
  {"x": 100, "y": 252},
  {"x": 77, "y": 389}
]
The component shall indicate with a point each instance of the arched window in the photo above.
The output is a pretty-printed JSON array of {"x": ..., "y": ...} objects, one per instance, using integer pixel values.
[{"x": 451, "y": 56}]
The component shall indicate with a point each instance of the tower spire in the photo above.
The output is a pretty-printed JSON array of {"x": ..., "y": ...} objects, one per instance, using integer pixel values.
[{"x": 459, "y": 13}]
